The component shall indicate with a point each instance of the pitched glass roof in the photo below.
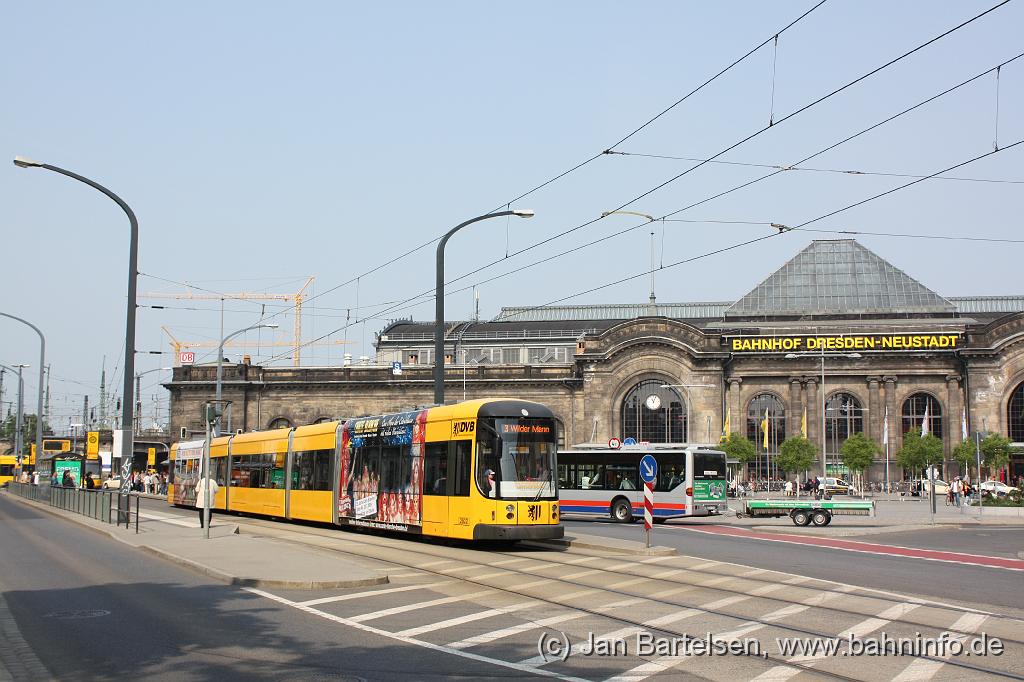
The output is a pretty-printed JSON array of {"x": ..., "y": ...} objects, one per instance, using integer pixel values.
[{"x": 838, "y": 277}]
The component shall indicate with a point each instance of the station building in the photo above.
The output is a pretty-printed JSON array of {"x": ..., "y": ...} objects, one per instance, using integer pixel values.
[{"x": 836, "y": 341}]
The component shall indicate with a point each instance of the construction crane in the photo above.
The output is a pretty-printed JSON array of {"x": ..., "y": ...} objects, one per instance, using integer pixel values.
[
  {"x": 179, "y": 346},
  {"x": 296, "y": 298}
]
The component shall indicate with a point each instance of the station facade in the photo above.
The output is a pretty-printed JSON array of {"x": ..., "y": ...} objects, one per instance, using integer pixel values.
[{"x": 836, "y": 341}]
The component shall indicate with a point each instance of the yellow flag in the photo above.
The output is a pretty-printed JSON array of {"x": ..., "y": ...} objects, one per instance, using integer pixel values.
[
  {"x": 803, "y": 424},
  {"x": 764, "y": 427},
  {"x": 725, "y": 428}
]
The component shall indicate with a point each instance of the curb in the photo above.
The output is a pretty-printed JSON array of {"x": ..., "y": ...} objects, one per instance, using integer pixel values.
[{"x": 203, "y": 568}]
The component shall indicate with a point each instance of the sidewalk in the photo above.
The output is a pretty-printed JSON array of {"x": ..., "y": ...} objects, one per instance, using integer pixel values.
[{"x": 229, "y": 556}]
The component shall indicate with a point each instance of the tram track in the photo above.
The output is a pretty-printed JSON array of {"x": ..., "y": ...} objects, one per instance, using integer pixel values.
[{"x": 384, "y": 553}]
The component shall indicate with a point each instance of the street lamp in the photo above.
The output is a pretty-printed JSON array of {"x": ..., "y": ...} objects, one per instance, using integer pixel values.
[
  {"x": 42, "y": 382},
  {"x": 138, "y": 396},
  {"x": 439, "y": 297},
  {"x": 791, "y": 356},
  {"x": 220, "y": 363},
  {"x": 127, "y": 406},
  {"x": 18, "y": 444},
  {"x": 652, "y": 308}
]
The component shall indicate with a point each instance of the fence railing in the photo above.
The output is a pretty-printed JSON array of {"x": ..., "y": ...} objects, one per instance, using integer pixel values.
[{"x": 108, "y": 506}]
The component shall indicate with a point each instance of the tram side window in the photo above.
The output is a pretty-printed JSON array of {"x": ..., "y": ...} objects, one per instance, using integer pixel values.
[
  {"x": 394, "y": 462},
  {"x": 254, "y": 471},
  {"x": 6, "y": 469},
  {"x": 312, "y": 470},
  {"x": 366, "y": 469},
  {"x": 435, "y": 469},
  {"x": 461, "y": 456}
]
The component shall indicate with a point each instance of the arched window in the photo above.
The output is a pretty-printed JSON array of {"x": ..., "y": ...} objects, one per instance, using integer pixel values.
[
  {"x": 279, "y": 423},
  {"x": 914, "y": 409},
  {"x": 654, "y": 414},
  {"x": 844, "y": 417},
  {"x": 761, "y": 407},
  {"x": 1015, "y": 415},
  {"x": 323, "y": 420}
]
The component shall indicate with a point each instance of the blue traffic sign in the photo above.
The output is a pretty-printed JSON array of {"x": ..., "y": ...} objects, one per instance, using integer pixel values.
[
  {"x": 629, "y": 441},
  {"x": 648, "y": 468}
]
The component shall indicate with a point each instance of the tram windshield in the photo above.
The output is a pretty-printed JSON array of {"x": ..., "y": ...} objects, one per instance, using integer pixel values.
[{"x": 520, "y": 456}]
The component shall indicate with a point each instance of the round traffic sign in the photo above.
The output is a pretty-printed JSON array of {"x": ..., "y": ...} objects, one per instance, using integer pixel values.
[
  {"x": 648, "y": 468},
  {"x": 614, "y": 443}
]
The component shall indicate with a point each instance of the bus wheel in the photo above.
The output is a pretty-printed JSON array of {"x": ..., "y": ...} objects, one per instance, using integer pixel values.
[
  {"x": 801, "y": 518},
  {"x": 622, "y": 511},
  {"x": 821, "y": 517}
]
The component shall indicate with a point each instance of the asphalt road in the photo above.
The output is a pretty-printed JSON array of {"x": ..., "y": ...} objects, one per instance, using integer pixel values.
[
  {"x": 91, "y": 608},
  {"x": 964, "y": 585}
]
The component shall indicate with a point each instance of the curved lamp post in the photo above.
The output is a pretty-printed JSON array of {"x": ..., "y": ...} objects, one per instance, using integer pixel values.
[
  {"x": 42, "y": 365},
  {"x": 18, "y": 445},
  {"x": 439, "y": 297},
  {"x": 128, "y": 404},
  {"x": 138, "y": 396},
  {"x": 220, "y": 364},
  {"x": 652, "y": 306}
]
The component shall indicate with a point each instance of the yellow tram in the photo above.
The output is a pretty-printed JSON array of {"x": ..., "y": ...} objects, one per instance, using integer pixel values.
[{"x": 477, "y": 470}]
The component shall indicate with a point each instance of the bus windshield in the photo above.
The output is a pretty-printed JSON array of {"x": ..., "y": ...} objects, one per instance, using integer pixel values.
[
  {"x": 708, "y": 465},
  {"x": 521, "y": 455}
]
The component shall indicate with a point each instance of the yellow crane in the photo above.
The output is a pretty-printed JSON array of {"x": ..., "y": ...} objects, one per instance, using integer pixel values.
[
  {"x": 297, "y": 299},
  {"x": 179, "y": 346}
]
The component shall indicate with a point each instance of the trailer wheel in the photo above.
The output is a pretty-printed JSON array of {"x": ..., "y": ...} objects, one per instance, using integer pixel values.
[
  {"x": 801, "y": 518},
  {"x": 821, "y": 517},
  {"x": 622, "y": 511}
]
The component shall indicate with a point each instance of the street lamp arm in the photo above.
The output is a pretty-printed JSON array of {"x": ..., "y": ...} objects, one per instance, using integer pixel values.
[
  {"x": 439, "y": 296},
  {"x": 42, "y": 387}
]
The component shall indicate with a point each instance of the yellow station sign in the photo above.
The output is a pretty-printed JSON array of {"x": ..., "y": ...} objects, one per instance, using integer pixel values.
[{"x": 844, "y": 342}]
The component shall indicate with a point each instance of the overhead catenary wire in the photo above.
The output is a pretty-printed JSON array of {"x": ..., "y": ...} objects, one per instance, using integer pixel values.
[
  {"x": 737, "y": 187},
  {"x": 756, "y": 133}
]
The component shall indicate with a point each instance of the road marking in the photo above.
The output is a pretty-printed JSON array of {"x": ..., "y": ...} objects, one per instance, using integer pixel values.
[
  {"x": 631, "y": 581},
  {"x": 535, "y": 583},
  {"x": 657, "y": 559},
  {"x": 706, "y": 564},
  {"x": 665, "y": 574},
  {"x": 348, "y": 622},
  {"x": 583, "y": 560},
  {"x": 580, "y": 574},
  {"x": 485, "y": 576},
  {"x": 925, "y": 669},
  {"x": 621, "y": 604},
  {"x": 779, "y": 673},
  {"x": 766, "y": 589},
  {"x": 942, "y": 556},
  {"x": 374, "y": 615},
  {"x": 372, "y": 593},
  {"x": 509, "y": 562},
  {"x": 717, "y": 581},
  {"x": 537, "y": 661},
  {"x": 177, "y": 521},
  {"x": 785, "y": 612},
  {"x": 436, "y": 563},
  {"x": 451, "y": 622},
  {"x": 514, "y": 630}
]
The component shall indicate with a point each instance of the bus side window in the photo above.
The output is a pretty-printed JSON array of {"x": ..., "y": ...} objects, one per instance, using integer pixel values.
[
  {"x": 435, "y": 469},
  {"x": 459, "y": 467}
]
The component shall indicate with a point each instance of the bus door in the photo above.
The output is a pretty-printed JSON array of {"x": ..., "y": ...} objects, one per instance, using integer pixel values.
[{"x": 463, "y": 513}]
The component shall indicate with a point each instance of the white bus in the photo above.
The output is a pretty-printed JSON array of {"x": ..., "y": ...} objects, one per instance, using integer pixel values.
[{"x": 597, "y": 481}]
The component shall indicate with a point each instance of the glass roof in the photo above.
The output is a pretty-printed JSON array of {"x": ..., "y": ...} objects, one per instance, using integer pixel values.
[{"x": 838, "y": 277}]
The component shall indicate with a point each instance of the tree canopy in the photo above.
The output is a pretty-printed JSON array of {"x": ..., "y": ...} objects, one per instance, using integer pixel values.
[
  {"x": 918, "y": 452},
  {"x": 797, "y": 454},
  {"x": 739, "y": 447},
  {"x": 858, "y": 452},
  {"x": 995, "y": 451}
]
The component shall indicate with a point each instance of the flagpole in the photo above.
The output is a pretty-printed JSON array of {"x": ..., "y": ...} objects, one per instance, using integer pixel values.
[{"x": 885, "y": 437}]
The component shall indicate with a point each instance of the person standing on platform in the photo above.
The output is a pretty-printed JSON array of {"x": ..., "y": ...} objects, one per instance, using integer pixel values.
[{"x": 204, "y": 501}]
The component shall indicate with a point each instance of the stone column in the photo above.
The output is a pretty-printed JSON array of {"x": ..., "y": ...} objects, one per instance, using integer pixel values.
[
  {"x": 813, "y": 415},
  {"x": 737, "y": 417},
  {"x": 954, "y": 428},
  {"x": 795, "y": 411},
  {"x": 873, "y": 424}
]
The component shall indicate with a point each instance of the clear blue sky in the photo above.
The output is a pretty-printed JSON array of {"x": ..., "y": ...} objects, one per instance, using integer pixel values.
[{"x": 260, "y": 143}]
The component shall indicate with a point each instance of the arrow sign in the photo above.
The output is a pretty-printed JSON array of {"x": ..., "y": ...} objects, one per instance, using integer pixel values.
[{"x": 648, "y": 468}]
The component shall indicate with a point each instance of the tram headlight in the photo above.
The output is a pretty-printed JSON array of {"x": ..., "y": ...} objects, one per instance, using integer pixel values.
[
  {"x": 554, "y": 511},
  {"x": 510, "y": 511}
]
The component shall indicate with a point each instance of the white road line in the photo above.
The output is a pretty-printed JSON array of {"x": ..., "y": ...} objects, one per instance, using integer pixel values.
[
  {"x": 584, "y": 560},
  {"x": 580, "y": 574},
  {"x": 374, "y": 615},
  {"x": 177, "y": 521},
  {"x": 766, "y": 589},
  {"x": 623, "y": 633},
  {"x": 621, "y": 604},
  {"x": 785, "y": 613},
  {"x": 717, "y": 581},
  {"x": 485, "y": 576},
  {"x": 514, "y": 630},
  {"x": 509, "y": 562},
  {"x": 702, "y": 566},
  {"x": 435, "y": 563},
  {"x": 623, "y": 583},
  {"x": 409, "y": 640},
  {"x": 665, "y": 574},
  {"x": 372, "y": 593},
  {"x": 535, "y": 583},
  {"x": 458, "y": 569},
  {"x": 779, "y": 673},
  {"x": 925, "y": 669},
  {"x": 657, "y": 559},
  {"x": 452, "y": 622}
]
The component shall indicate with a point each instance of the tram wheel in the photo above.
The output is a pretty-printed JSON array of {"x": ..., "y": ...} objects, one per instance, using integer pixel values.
[
  {"x": 821, "y": 518},
  {"x": 622, "y": 511}
]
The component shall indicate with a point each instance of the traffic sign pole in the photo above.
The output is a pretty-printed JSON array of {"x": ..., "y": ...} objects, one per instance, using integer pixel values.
[{"x": 649, "y": 474}]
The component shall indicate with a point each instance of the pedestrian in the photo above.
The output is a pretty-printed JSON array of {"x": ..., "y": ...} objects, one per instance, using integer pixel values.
[
  {"x": 958, "y": 490},
  {"x": 67, "y": 480},
  {"x": 53, "y": 479},
  {"x": 206, "y": 494},
  {"x": 789, "y": 488},
  {"x": 147, "y": 483},
  {"x": 35, "y": 477},
  {"x": 90, "y": 484}
]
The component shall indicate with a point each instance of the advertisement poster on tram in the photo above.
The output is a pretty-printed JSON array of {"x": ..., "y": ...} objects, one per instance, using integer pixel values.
[
  {"x": 187, "y": 463},
  {"x": 381, "y": 474}
]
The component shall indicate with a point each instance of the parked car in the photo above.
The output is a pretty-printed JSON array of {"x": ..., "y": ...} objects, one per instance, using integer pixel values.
[
  {"x": 112, "y": 483},
  {"x": 997, "y": 488},
  {"x": 941, "y": 487},
  {"x": 836, "y": 486}
]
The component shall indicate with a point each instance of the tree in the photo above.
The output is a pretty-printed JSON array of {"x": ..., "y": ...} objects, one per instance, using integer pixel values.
[
  {"x": 919, "y": 452},
  {"x": 738, "y": 447},
  {"x": 995, "y": 450},
  {"x": 797, "y": 454},
  {"x": 858, "y": 453},
  {"x": 965, "y": 454}
]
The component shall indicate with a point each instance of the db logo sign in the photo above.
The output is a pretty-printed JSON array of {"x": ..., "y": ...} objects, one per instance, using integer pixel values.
[{"x": 186, "y": 357}]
